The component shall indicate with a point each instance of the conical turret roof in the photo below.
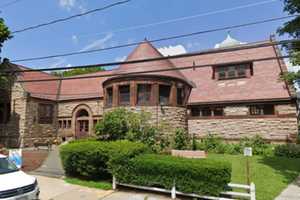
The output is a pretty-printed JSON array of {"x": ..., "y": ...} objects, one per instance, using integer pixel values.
[{"x": 145, "y": 50}]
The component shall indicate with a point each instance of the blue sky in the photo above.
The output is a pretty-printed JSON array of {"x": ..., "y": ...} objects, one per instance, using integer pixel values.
[{"x": 98, "y": 30}]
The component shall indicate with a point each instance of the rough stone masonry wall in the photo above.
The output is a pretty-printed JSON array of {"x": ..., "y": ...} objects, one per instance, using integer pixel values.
[
  {"x": 35, "y": 131},
  {"x": 278, "y": 128},
  {"x": 171, "y": 117},
  {"x": 11, "y": 134},
  {"x": 66, "y": 109}
]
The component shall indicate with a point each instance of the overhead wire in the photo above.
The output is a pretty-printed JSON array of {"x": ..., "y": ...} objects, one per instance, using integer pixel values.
[
  {"x": 154, "y": 71},
  {"x": 70, "y": 17},
  {"x": 179, "y": 19},
  {"x": 221, "y": 50},
  {"x": 156, "y": 40}
]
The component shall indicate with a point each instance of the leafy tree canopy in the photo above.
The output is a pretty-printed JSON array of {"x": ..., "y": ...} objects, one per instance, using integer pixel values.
[
  {"x": 4, "y": 35},
  {"x": 292, "y": 28},
  {"x": 79, "y": 71}
]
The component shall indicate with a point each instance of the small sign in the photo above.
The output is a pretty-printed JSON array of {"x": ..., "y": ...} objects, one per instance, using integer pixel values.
[
  {"x": 247, "y": 151},
  {"x": 15, "y": 155}
]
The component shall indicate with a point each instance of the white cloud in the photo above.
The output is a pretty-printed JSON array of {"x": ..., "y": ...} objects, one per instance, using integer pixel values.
[
  {"x": 291, "y": 67},
  {"x": 58, "y": 63},
  {"x": 67, "y": 4},
  {"x": 74, "y": 39},
  {"x": 73, "y": 5},
  {"x": 172, "y": 50},
  {"x": 120, "y": 58},
  {"x": 100, "y": 43},
  {"x": 193, "y": 45}
]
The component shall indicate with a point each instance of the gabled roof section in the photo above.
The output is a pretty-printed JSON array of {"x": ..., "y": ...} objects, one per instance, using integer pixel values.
[
  {"x": 43, "y": 89},
  {"x": 146, "y": 50}
]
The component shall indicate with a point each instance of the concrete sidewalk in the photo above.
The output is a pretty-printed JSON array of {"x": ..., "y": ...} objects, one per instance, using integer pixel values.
[
  {"x": 52, "y": 166},
  {"x": 292, "y": 192},
  {"x": 58, "y": 189}
]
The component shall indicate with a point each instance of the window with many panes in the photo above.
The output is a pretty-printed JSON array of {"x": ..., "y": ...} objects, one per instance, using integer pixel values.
[
  {"x": 164, "y": 94},
  {"x": 207, "y": 111},
  {"x": 45, "y": 113},
  {"x": 232, "y": 71},
  {"x": 124, "y": 94},
  {"x": 262, "y": 109},
  {"x": 109, "y": 96},
  {"x": 143, "y": 94}
]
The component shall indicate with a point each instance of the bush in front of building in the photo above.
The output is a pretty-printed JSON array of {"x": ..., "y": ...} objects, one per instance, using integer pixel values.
[
  {"x": 89, "y": 159},
  {"x": 214, "y": 144},
  {"x": 202, "y": 176},
  {"x": 288, "y": 150}
]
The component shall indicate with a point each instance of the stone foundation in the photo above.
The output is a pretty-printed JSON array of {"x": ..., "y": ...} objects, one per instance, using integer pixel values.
[
  {"x": 173, "y": 117},
  {"x": 236, "y": 124}
]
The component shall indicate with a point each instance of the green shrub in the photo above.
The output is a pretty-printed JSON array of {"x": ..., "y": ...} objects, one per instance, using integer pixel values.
[
  {"x": 288, "y": 150},
  {"x": 114, "y": 125},
  {"x": 181, "y": 139},
  {"x": 89, "y": 158},
  {"x": 202, "y": 176},
  {"x": 257, "y": 143}
]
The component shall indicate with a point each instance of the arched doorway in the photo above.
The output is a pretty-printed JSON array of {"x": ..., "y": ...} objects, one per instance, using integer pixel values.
[{"x": 82, "y": 125}]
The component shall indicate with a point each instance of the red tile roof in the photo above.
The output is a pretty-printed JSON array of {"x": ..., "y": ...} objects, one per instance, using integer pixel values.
[
  {"x": 146, "y": 50},
  {"x": 263, "y": 85}
]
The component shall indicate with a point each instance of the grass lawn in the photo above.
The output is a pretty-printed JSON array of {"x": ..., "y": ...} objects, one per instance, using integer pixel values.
[
  {"x": 92, "y": 184},
  {"x": 270, "y": 174}
]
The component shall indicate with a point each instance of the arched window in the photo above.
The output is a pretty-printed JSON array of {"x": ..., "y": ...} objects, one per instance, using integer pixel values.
[{"x": 82, "y": 113}]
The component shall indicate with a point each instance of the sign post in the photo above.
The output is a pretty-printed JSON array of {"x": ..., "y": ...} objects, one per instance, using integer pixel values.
[{"x": 247, "y": 154}]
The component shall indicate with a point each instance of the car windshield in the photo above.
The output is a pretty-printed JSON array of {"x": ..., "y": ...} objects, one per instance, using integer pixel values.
[{"x": 6, "y": 166}]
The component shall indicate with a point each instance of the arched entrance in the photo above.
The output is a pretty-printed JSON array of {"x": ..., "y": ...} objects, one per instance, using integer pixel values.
[{"x": 82, "y": 126}]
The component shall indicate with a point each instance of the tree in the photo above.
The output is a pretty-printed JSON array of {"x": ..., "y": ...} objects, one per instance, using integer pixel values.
[
  {"x": 5, "y": 34},
  {"x": 78, "y": 71},
  {"x": 292, "y": 28}
]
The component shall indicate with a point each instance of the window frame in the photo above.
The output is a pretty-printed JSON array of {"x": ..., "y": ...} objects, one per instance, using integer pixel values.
[
  {"x": 45, "y": 116},
  {"x": 146, "y": 92},
  {"x": 160, "y": 86},
  {"x": 261, "y": 109},
  {"x": 225, "y": 70},
  {"x": 120, "y": 101},
  {"x": 109, "y": 99},
  {"x": 200, "y": 110}
]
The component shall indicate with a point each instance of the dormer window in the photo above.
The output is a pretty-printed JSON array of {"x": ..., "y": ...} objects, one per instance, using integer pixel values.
[{"x": 232, "y": 71}]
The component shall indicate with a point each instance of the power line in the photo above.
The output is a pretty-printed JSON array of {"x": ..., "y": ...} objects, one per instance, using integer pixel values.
[
  {"x": 9, "y": 3},
  {"x": 180, "y": 18},
  {"x": 152, "y": 71},
  {"x": 221, "y": 50},
  {"x": 157, "y": 40},
  {"x": 71, "y": 17}
]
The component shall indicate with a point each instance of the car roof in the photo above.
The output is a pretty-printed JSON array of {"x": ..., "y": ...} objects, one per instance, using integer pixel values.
[{"x": 2, "y": 156}]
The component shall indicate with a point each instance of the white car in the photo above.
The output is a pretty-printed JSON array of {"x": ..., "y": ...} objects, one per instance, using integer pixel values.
[{"x": 15, "y": 184}]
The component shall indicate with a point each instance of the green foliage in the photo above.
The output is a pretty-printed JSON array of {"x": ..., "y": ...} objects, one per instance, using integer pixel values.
[
  {"x": 215, "y": 144},
  {"x": 114, "y": 124},
  {"x": 5, "y": 34},
  {"x": 270, "y": 174},
  {"x": 89, "y": 159},
  {"x": 79, "y": 71},
  {"x": 123, "y": 124},
  {"x": 181, "y": 139},
  {"x": 288, "y": 150},
  {"x": 292, "y": 28},
  {"x": 88, "y": 183},
  {"x": 202, "y": 176},
  {"x": 290, "y": 77}
]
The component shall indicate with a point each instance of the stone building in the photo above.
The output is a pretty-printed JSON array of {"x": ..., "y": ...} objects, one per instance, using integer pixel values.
[{"x": 236, "y": 93}]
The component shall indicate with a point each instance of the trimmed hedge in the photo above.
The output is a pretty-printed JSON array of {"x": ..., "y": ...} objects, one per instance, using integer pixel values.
[
  {"x": 288, "y": 150},
  {"x": 90, "y": 159},
  {"x": 202, "y": 176}
]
